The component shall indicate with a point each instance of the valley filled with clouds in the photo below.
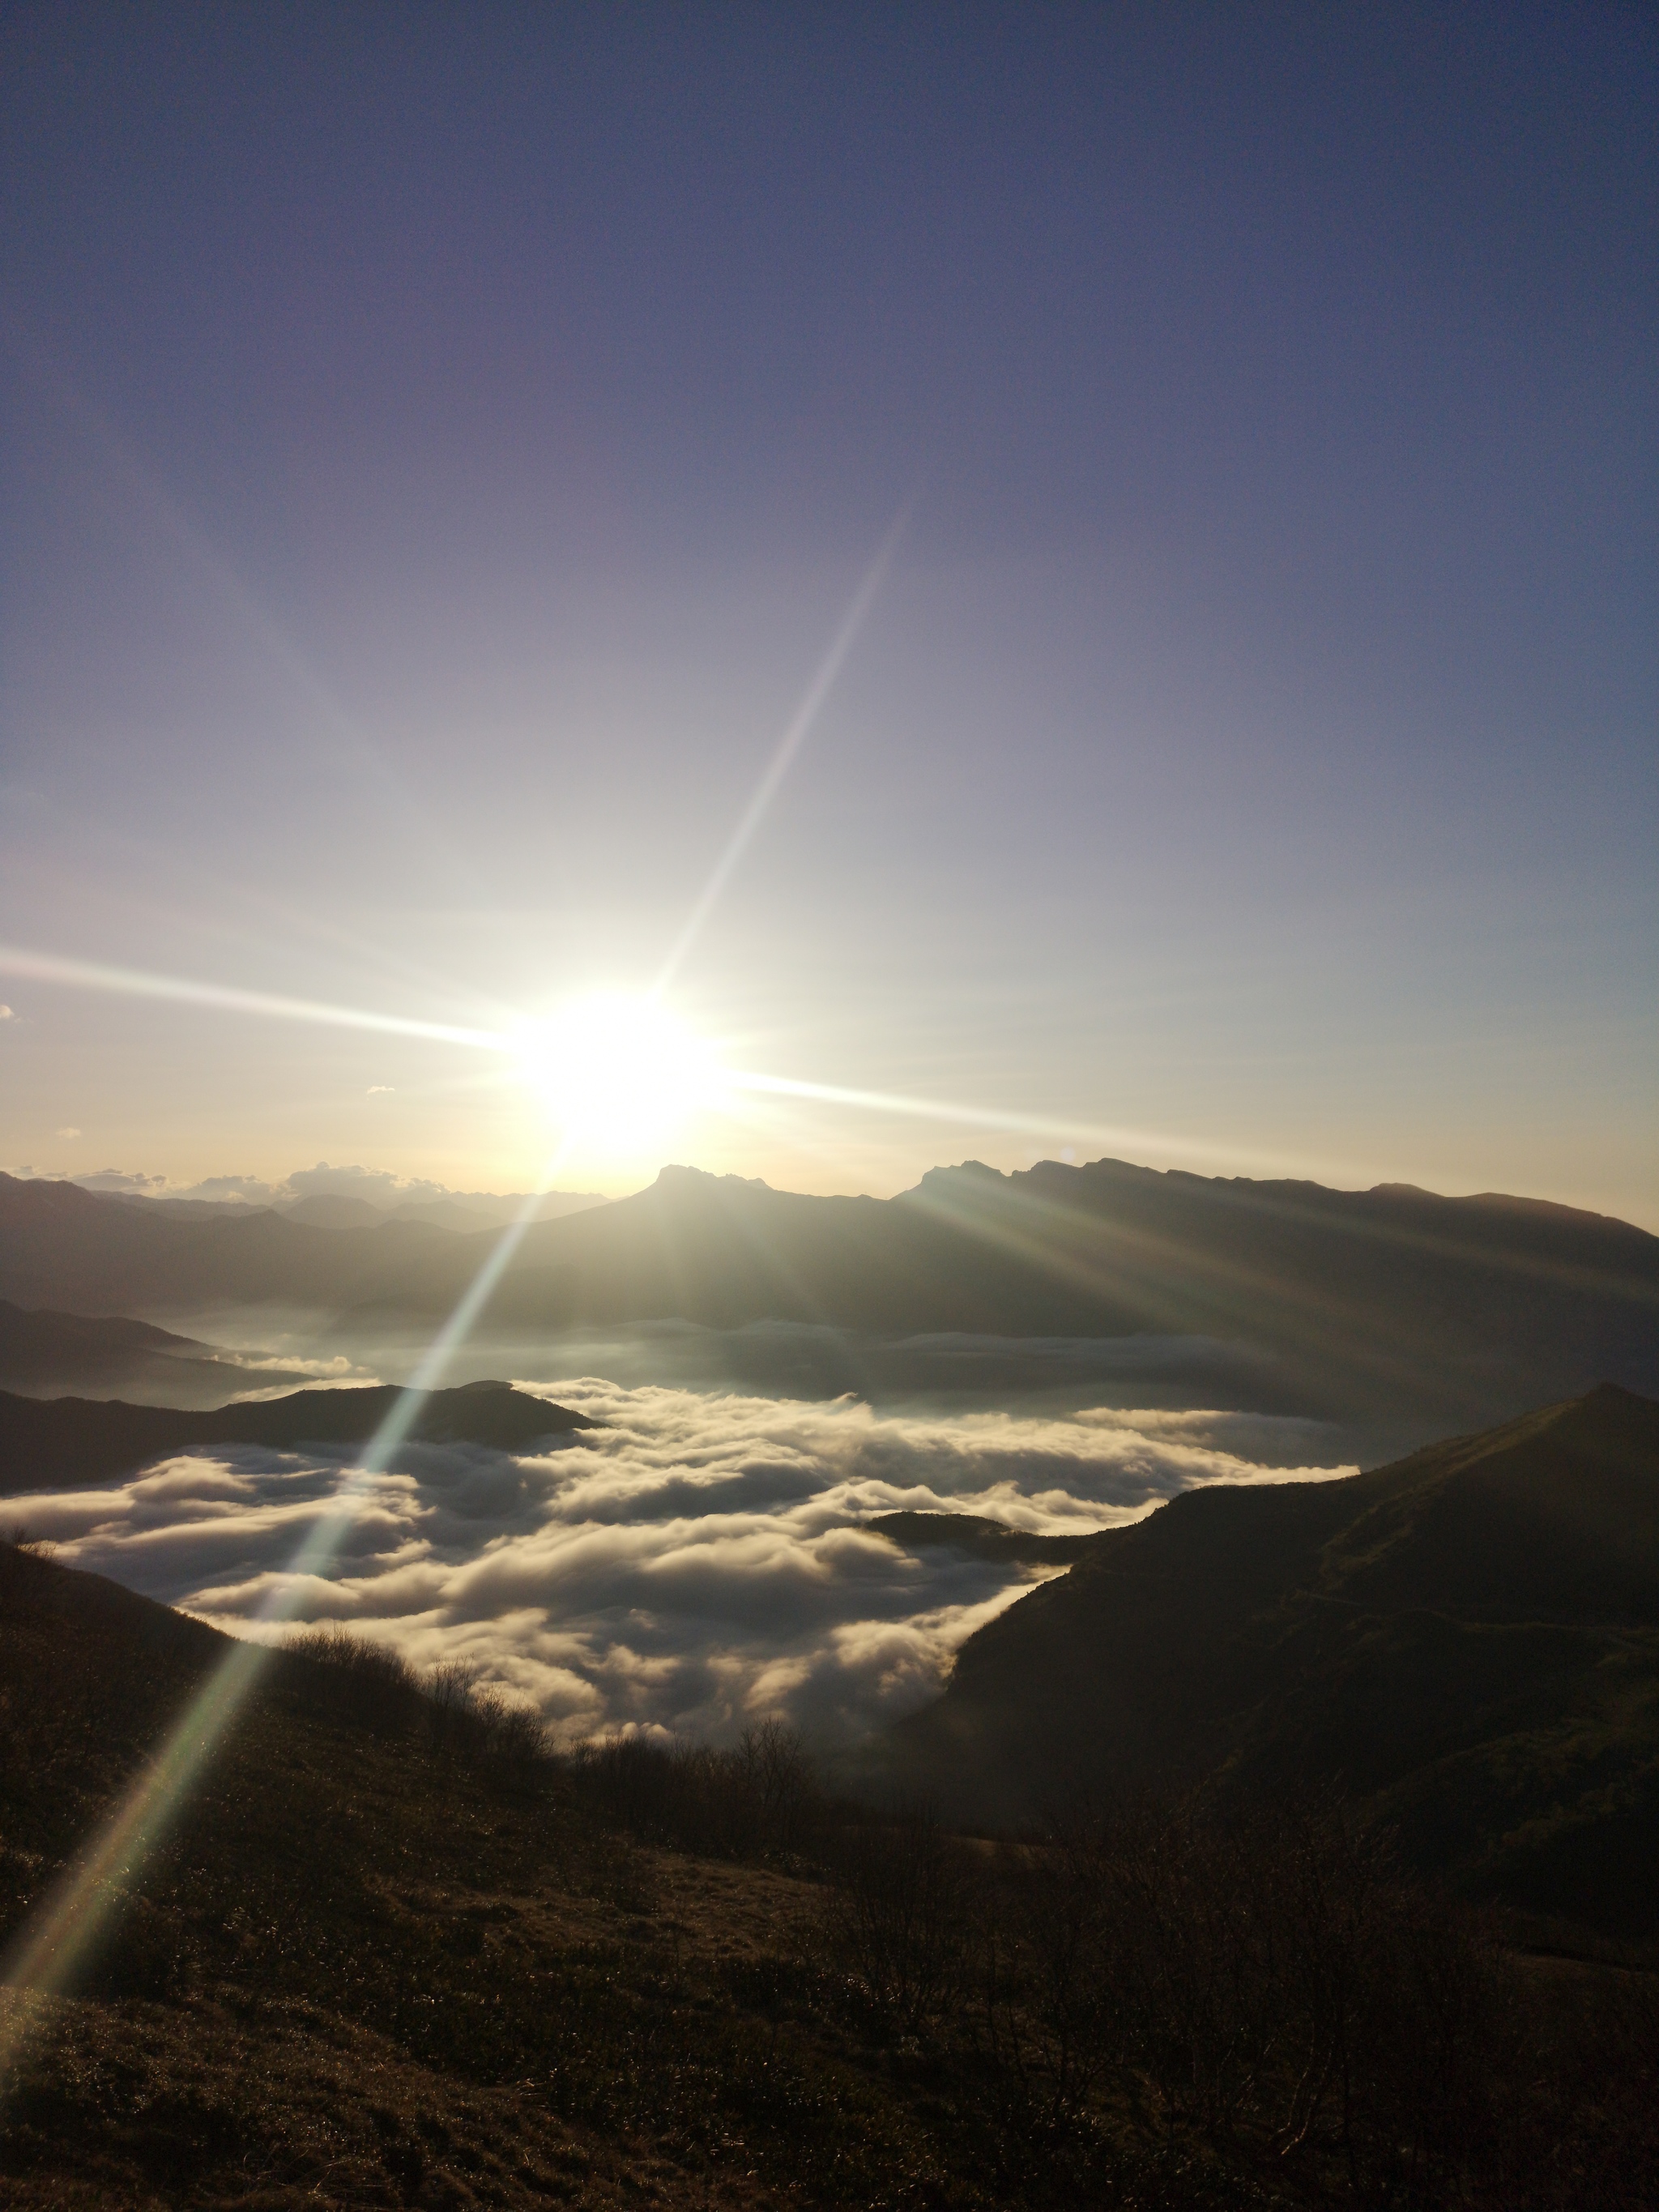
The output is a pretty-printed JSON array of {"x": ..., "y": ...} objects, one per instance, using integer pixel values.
[{"x": 693, "y": 1564}]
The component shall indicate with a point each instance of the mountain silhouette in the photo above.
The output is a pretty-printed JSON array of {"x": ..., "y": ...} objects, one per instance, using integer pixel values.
[
  {"x": 974, "y": 1533},
  {"x": 45, "y": 1353},
  {"x": 334, "y": 1209},
  {"x": 1438, "y": 1312},
  {"x": 61, "y": 1442},
  {"x": 1467, "y": 1641}
]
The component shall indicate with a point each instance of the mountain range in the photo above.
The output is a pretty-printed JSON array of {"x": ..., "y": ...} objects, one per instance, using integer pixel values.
[
  {"x": 1465, "y": 1643},
  {"x": 1441, "y": 1311},
  {"x": 338, "y": 1208}
]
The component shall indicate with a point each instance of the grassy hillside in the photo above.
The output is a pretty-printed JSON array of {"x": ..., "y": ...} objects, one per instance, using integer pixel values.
[
  {"x": 389, "y": 1956},
  {"x": 370, "y": 1968},
  {"x": 1468, "y": 1640}
]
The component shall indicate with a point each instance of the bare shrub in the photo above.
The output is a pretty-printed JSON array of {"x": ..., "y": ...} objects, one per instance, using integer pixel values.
[
  {"x": 779, "y": 1782},
  {"x": 627, "y": 1776},
  {"x": 449, "y": 1706},
  {"x": 510, "y": 1735},
  {"x": 1191, "y": 1951},
  {"x": 1415, "y": 2101},
  {"x": 898, "y": 1917},
  {"x": 18, "y": 1538},
  {"x": 756, "y": 1800},
  {"x": 1045, "y": 1977},
  {"x": 476, "y": 1720},
  {"x": 1262, "y": 1977},
  {"x": 377, "y": 1684},
  {"x": 22, "y": 1558}
]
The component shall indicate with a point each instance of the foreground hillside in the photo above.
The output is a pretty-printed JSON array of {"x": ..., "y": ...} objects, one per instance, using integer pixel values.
[
  {"x": 1440, "y": 1312},
  {"x": 1468, "y": 1640},
  {"x": 369, "y": 1967},
  {"x": 388, "y": 1956}
]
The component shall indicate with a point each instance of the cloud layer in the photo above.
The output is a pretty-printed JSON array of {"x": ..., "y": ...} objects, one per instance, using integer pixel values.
[{"x": 696, "y": 1563}]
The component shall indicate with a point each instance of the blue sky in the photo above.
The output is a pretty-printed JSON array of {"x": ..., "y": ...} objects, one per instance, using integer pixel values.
[{"x": 442, "y": 446}]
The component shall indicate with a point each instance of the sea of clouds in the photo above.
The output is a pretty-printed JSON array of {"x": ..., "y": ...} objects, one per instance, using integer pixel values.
[{"x": 696, "y": 1563}]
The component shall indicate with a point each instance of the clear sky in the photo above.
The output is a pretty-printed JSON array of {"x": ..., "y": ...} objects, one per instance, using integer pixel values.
[{"x": 443, "y": 445}]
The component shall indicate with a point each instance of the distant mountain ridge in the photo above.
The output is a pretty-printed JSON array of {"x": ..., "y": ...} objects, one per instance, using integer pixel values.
[
  {"x": 465, "y": 1211},
  {"x": 62, "y": 1442},
  {"x": 1467, "y": 1641},
  {"x": 1456, "y": 1311},
  {"x": 976, "y": 1533},
  {"x": 44, "y": 1354},
  {"x": 25, "y": 1334}
]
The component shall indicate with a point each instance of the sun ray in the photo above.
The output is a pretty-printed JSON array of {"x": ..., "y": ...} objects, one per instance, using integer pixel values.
[
  {"x": 639, "y": 1031},
  {"x": 1054, "y": 1126},
  {"x": 230, "y": 998},
  {"x": 794, "y": 737},
  {"x": 44, "y": 1956}
]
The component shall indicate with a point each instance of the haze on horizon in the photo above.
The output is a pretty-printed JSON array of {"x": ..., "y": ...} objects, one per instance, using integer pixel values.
[{"x": 1105, "y": 559}]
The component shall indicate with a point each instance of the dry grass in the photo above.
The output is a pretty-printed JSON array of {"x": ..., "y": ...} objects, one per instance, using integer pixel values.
[{"x": 384, "y": 1963}]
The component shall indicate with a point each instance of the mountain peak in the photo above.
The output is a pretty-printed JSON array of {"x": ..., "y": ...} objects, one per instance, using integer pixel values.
[{"x": 678, "y": 1177}]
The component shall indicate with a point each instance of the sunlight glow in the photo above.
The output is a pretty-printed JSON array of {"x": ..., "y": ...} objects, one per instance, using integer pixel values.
[
  {"x": 618, "y": 1074},
  {"x": 615, "y": 1071}
]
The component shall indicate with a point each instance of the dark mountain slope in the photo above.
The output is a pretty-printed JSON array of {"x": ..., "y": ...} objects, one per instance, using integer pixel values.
[
  {"x": 1468, "y": 1640},
  {"x": 51, "y": 1443},
  {"x": 35, "y": 1343},
  {"x": 1466, "y": 1306},
  {"x": 47, "y": 1354}
]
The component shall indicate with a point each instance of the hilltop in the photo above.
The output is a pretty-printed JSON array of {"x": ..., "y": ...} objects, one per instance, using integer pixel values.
[
  {"x": 55, "y": 1442},
  {"x": 979, "y": 1535}
]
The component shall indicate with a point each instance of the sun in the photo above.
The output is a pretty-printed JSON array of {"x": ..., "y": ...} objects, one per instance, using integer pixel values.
[{"x": 615, "y": 1071}]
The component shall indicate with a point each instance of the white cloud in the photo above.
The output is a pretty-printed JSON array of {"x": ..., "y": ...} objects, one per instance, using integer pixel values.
[
  {"x": 692, "y": 1563},
  {"x": 6, "y": 1015},
  {"x": 69, "y": 1133},
  {"x": 378, "y": 1185},
  {"x": 116, "y": 1179}
]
